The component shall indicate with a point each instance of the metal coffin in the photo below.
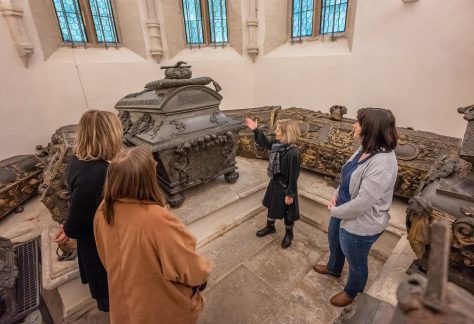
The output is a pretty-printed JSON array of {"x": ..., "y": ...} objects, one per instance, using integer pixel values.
[
  {"x": 448, "y": 193},
  {"x": 191, "y": 139},
  {"x": 19, "y": 179},
  {"x": 327, "y": 142}
]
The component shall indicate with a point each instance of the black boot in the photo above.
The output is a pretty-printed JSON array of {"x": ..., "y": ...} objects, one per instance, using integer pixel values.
[
  {"x": 287, "y": 239},
  {"x": 269, "y": 229}
]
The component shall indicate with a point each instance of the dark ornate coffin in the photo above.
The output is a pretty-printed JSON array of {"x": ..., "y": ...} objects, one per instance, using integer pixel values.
[
  {"x": 20, "y": 177},
  {"x": 179, "y": 120},
  {"x": 448, "y": 193},
  {"x": 327, "y": 143}
]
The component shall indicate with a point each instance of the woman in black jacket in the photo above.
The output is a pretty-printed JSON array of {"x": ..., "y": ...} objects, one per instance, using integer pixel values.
[
  {"x": 281, "y": 197},
  {"x": 99, "y": 139}
]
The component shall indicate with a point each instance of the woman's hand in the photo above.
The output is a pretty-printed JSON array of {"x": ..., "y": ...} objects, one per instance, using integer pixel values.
[
  {"x": 252, "y": 124},
  {"x": 332, "y": 202},
  {"x": 288, "y": 200},
  {"x": 61, "y": 237}
]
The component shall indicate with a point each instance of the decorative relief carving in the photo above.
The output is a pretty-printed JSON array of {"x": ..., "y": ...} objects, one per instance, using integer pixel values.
[
  {"x": 215, "y": 120},
  {"x": 142, "y": 125},
  {"x": 180, "y": 127},
  {"x": 14, "y": 17}
]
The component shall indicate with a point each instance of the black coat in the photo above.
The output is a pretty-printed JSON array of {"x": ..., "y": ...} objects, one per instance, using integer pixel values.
[
  {"x": 282, "y": 184},
  {"x": 86, "y": 181}
]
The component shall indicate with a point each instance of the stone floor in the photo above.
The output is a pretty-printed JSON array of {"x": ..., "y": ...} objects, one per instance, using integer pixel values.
[{"x": 256, "y": 281}]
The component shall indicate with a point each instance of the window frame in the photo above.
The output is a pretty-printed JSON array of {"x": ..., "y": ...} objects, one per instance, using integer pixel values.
[
  {"x": 206, "y": 26},
  {"x": 317, "y": 12},
  {"x": 89, "y": 28}
]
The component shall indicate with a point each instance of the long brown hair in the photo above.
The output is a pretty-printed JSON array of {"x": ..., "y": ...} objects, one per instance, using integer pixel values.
[
  {"x": 99, "y": 136},
  {"x": 131, "y": 174},
  {"x": 378, "y": 130}
]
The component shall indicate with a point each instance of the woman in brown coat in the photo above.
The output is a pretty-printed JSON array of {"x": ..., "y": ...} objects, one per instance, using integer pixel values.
[{"x": 153, "y": 270}]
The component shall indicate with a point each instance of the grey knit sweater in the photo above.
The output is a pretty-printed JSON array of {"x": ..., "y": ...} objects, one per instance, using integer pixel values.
[{"x": 371, "y": 188}]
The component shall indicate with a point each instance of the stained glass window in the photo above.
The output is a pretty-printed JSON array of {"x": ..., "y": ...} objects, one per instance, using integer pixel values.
[
  {"x": 218, "y": 21},
  {"x": 302, "y": 19},
  {"x": 333, "y": 16},
  {"x": 103, "y": 19},
  {"x": 193, "y": 21},
  {"x": 70, "y": 21}
]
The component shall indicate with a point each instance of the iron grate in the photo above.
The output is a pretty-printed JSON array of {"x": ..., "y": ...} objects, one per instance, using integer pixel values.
[{"x": 28, "y": 284}]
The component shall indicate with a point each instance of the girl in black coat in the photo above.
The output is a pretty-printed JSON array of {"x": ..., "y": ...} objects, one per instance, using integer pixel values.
[
  {"x": 99, "y": 139},
  {"x": 281, "y": 197}
]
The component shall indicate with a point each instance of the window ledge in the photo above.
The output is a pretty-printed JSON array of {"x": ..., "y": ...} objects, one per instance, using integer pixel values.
[
  {"x": 65, "y": 54},
  {"x": 317, "y": 46},
  {"x": 207, "y": 53}
]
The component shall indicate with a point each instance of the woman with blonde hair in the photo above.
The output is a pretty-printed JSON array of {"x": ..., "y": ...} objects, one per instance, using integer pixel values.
[
  {"x": 99, "y": 139},
  {"x": 281, "y": 197},
  {"x": 154, "y": 272}
]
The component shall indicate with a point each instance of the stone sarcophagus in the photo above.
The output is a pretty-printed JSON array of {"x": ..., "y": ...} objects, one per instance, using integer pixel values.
[
  {"x": 20, "y": 177},
  {"x": 448, "y": 193},
  {"x": 179, "y": 120}
]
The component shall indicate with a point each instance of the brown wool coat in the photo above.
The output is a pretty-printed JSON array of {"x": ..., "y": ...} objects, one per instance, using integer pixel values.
[{"x": 151, "y": 265}]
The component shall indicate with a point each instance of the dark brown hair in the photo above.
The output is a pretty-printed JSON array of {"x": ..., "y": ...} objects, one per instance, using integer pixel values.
[
  {"x": 378, "y": 130},
  {"x": 131, "y": 174}
]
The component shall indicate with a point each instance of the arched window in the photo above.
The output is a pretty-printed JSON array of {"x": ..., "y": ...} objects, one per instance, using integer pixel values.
[
  {"x": 205, "y": 21},
  {"x": 311, "y": 18},
  {"x": 86, "y": 22}
]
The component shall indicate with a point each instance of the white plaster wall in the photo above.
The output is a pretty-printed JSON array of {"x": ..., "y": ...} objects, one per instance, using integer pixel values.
[{"x": 416, "y": 59}]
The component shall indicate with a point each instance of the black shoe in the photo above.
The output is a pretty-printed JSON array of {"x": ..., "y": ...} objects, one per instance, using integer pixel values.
[
  {"x": 287, "y": 239},
  {"x": 269, "y": 229}
]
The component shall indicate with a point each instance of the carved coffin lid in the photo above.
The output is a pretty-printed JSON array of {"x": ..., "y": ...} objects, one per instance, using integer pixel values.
[
  {"x": 170, "y": 117},
  {"x": 17, "y": 167},
  {"x": 171, "y": 100}
]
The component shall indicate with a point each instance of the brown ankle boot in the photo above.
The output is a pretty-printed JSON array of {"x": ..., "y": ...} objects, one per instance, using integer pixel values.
[
  {"x": 323, "y": 269},
  {"x": 340, "y": 300}
]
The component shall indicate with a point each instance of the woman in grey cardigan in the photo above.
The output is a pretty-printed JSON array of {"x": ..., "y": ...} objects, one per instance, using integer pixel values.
[{"x": 359, "y": 208}]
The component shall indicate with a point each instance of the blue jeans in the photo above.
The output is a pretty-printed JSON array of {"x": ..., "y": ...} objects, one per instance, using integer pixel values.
[{"x": 355, "y": 248}]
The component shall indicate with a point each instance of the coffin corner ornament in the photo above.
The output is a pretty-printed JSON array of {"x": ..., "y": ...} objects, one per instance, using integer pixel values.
[
  {"x": 179, "y": 120},
  {"x": 447, "y": 193}
]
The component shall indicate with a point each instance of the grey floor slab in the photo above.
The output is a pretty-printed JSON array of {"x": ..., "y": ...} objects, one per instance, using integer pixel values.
[
  {"x": 236, "y": 246},
  {"x": 283, "y": 268},
  {"x": 241, "y": 298},
  {"x": 256, "y": 281}
]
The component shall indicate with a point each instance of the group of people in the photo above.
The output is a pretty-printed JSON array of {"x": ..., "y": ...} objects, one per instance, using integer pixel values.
[{"x": 140, "y": 261}]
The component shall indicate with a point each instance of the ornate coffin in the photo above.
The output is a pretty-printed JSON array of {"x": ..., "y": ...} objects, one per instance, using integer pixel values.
[
  {"x": 448, "y": 193},
  {"x": 266, "y": 118},
  {"x": 327, "y": 143},
  {"x": 54, "y": 188},
  {"x": 179, "y": 120},
  {"x": 54, "y": 191},
  {"x": 20, "y": 177}
]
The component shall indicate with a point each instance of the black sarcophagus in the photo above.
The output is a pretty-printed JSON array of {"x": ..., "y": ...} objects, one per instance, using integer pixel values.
[{"x": 179, "y": 119}]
